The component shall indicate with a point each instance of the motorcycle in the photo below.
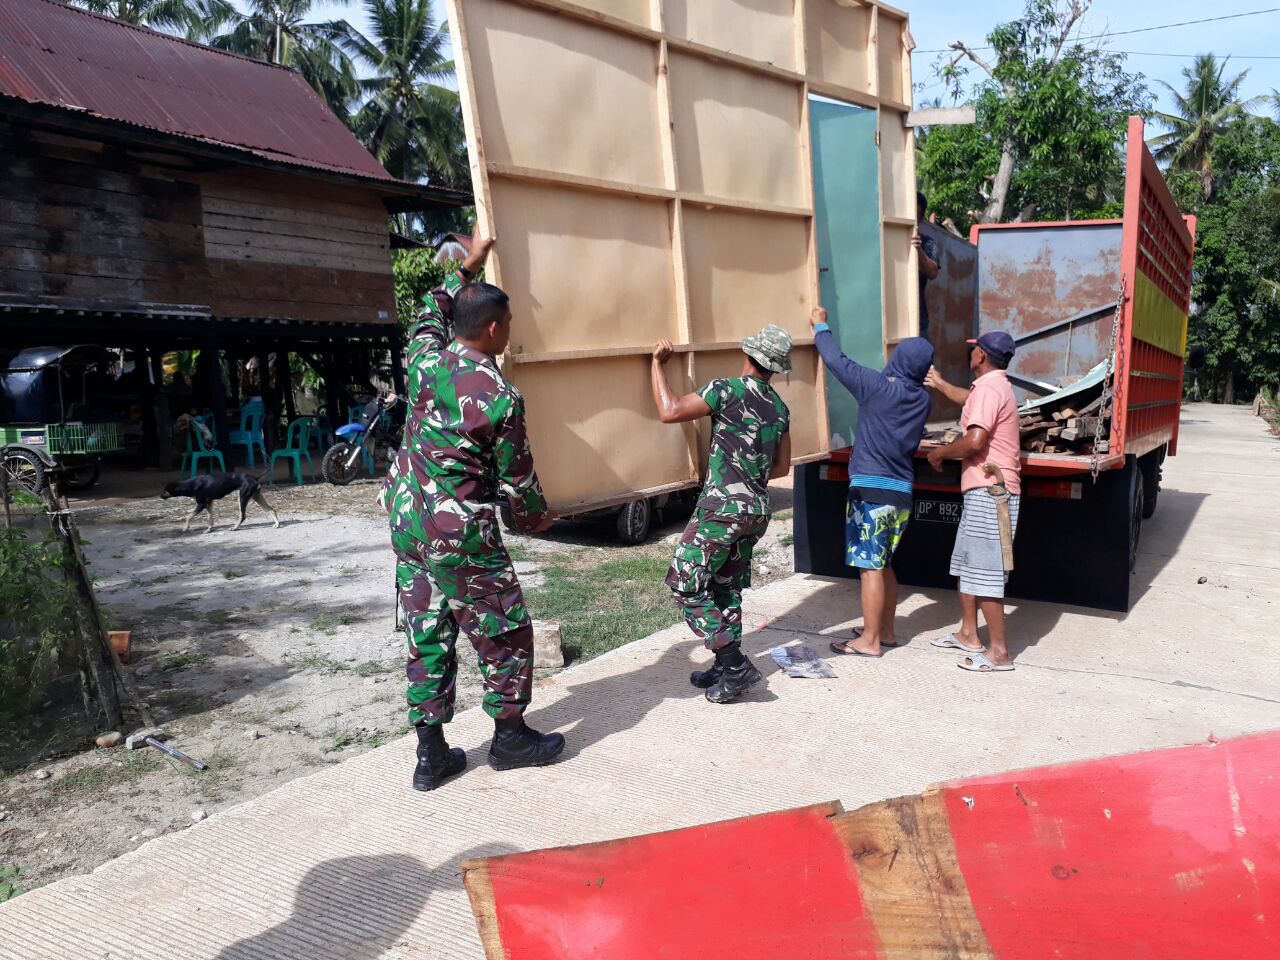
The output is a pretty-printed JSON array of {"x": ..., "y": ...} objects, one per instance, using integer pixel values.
[{"x": 361, "y": 441}]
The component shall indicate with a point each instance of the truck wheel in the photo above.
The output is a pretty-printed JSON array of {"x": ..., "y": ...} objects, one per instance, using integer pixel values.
[
  {"x": 334, "y": 465},
  {"x": 634, "y": 521},
  {"x": 23, "y": 471},
  {"x": 81, "y": 478},
  {"x": 1151, "y": 476},
  {"x": 1137, "y": 512}
]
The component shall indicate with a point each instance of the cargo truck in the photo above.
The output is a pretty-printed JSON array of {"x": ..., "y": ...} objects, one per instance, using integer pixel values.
[{"x": 1105, "y": 298}]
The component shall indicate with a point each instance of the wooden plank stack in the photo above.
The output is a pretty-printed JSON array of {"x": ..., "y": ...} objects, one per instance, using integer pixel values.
[{"x": 1064, "y": 428}]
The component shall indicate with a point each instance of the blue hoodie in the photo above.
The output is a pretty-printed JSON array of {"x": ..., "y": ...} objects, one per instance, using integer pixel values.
[{"x": 893, "y": 407}]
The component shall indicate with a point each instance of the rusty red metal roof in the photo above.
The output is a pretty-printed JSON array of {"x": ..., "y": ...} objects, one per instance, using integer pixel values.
[{"x": 62, "y": 57}]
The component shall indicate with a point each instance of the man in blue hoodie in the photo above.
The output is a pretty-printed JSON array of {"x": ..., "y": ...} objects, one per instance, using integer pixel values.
[{"x": 893, "y": 406}]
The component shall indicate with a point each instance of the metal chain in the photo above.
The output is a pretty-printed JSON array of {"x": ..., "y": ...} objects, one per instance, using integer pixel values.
[{"x": 1108, "y": 394}]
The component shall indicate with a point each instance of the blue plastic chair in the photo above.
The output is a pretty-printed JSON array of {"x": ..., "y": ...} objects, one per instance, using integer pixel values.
[
  {"x": 249, "y": 435},
  {"x": 321, "y": 433},
  {"x": 198, "y": 448},
  {"x": 294, "y": 449}
]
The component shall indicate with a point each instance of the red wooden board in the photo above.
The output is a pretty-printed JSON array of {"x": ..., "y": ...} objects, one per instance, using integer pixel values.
[
  {"x": 772, "y": 886},
  {"x": 1164, "y": 855}
]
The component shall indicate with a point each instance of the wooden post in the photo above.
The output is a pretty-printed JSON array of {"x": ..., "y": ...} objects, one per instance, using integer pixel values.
[
  {"x": 284, "y": 381},
  {"x": 395, "y": 345},
  {"x": 233, "y": 380},
  {"x": 210, "y": 361},
  {"x": 147, "y": 399},
  {"x": 337, "y": 416},
  {"x": 268, "y": 401}
]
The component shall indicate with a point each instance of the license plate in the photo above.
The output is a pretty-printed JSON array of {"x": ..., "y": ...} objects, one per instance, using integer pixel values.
[{"x": 938, "y": 511}]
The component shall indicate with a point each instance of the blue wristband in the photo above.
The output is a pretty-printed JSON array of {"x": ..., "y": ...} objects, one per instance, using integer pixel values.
[{"x": 821, "y": 328}]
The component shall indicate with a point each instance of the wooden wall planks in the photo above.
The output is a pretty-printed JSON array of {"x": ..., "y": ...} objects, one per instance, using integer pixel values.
[{"x": 646, "y": 167}]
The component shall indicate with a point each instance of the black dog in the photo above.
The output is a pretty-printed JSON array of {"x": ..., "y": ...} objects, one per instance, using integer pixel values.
[{"x": 206, "y": 489}]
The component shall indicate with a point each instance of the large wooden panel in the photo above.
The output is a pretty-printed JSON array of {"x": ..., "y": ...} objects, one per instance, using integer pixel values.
[
  {"x": 762, "y": 30},
  {"x": 839, "y": 37},
  {"x": 653, "y": 178},
  {"x": 604, "y": 266},
  {"x": 897, "y": 168},
  {"x": 901, "y": 284},
  {"x": 746, "y": 270},
  {"x": 593, "y": 429},
  {"x": 563, "y": 95},
  {"x": 737, "y": 133},
  {"x": 891, "y": 39}
]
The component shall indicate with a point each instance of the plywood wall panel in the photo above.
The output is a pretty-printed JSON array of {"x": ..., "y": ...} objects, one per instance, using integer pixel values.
[
  {"x": 737, "y": 133},
  {"x": 564, "y": 95},
  {"x": 584, "y": 273},
  {"x": 762, "y": 30},
  {"x": 890, "y": 33},
  {"x": 745, "y": 270},
  {"x": 901, "y": 284},
  {"x": 635, "y": 11},
  {"x": 593, "y": 429},
  {"x": 838, "y": 43},
  {"x": 897, "y": 168}
]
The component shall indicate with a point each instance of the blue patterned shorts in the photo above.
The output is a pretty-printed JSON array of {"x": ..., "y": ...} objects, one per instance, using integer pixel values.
[{"x": 872, "y": 533}]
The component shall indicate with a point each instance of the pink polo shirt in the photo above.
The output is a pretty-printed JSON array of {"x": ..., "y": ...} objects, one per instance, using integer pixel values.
[{"x": 991, "y": 405}]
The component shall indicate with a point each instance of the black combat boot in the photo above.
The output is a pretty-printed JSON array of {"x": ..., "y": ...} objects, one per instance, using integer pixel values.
[
  {"x": 515, "y": 745},
  {"x": 737, "y": 674},
  {"x": 707, "y": 678},
  {"x": 436, "y": 762}
]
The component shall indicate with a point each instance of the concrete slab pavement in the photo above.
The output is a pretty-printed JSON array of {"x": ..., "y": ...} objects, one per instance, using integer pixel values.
[{"x": 350, "y": 863}]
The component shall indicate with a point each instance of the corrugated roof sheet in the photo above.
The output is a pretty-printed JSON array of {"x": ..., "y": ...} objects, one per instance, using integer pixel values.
[{"x": 64, "y": 57}]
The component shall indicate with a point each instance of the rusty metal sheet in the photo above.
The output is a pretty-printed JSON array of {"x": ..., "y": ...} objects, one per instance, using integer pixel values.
[
  {"x": 1058, "y": 280},
  {"x": 952, "y": 299},
  {"x": 59, "y": 56}
]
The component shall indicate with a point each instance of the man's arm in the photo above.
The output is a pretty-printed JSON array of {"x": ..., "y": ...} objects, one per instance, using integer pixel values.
[
  {"x": 517, "y": 479},
  {"x": 782, "y": 459},
  {"x": 974, "y": 439},
  {"x": 953, "y": 393},
  {"x": 672, "y": 409},
  {"x": 926, "y": 256},
  {"x": 856, "y": 378}
]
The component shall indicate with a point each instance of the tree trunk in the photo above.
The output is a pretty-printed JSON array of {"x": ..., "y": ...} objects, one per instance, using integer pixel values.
[
  {"x": 1229, "y": 391},
  {"x": 994, "y": 212}
]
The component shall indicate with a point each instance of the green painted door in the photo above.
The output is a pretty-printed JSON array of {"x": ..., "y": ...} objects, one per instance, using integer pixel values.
[{"x": 847, "y": 215}]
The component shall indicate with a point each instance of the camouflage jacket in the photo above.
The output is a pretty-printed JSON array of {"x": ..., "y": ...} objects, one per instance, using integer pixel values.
[
  {"x": 465, "y": 442},
  {"x": 748, "y": 421}
]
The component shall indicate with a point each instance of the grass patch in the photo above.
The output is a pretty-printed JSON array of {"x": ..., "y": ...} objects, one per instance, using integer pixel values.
[
  {"x": 359, "y": 737},
  {"x": 98, "y": 777},
  {"x": 783, "y": 515},
  {"x": 605, "y": 605},
  {"x": 317, "y": 661},
  {"x": 20, "y": 498},
  {"x": 372, "y": 668},
  {"x": 787, "y": 539},
  {"x": 518, "y": 552},
  {"x": 10, "y": 877},
  {"x": 232, "y": 574},
  {"x": 181, "y": 661},
  {"x": 328, "y": 623}
]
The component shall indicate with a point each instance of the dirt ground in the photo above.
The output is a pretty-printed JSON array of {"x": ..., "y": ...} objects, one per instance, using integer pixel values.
[{"x": 271, "y": 652}]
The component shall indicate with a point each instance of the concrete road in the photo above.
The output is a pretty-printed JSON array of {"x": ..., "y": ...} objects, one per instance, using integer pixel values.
[{"x": 351, "y": 863}]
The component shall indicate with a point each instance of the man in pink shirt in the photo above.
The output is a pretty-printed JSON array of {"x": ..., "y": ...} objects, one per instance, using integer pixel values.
[{"x": 990, "y": 424}]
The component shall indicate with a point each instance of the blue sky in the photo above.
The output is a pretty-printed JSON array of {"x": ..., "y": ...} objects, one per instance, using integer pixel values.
[{"x": 936, "y": 23}]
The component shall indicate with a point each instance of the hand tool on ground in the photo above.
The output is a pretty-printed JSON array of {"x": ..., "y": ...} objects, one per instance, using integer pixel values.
[
  {"x": 1000, "y": 493},
  {"x": 154, "y": 737}
]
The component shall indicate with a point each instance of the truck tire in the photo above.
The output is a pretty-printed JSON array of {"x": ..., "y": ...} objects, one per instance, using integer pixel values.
[
  {"x": 634, "y": 522},
  {"x": 1152, "y": 473},
  {"x": 24, "y": 470},
  {"x": 80, "y": 478}
]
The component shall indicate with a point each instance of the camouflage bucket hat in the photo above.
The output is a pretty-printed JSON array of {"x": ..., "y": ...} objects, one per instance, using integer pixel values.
[{"x": 771, "y": 348}]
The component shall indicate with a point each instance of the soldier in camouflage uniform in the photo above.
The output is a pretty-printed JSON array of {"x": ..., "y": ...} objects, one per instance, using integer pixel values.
[
  {"x": 464, "y": 447},
  {"x": 750, "y": 445}
]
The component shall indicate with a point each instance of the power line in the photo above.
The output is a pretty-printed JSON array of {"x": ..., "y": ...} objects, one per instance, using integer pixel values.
[
  {"x": 1162, "y": 26},
  {"x": 1192, "y": 56}
]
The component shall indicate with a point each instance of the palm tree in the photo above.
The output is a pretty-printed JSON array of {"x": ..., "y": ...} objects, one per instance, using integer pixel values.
[
  {"x": 411, "y": 123},
  {"x": 277, "y": 31},
  {"x": 167, "y": 15},
  {"x": 1211, "y": 103}
]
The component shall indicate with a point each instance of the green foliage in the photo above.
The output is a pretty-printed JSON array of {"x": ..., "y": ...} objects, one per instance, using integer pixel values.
[
  {"x": 37, "y": 614},
  {"x": 1061, "y": 110},
  {"x": 1210, "y": 104},
  {"x": 1237, "y": 267},
  {"x": 416, "y": 273},
  {"x": 9, "y": 882}
]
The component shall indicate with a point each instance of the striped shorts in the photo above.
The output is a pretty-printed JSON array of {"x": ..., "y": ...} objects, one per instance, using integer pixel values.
[{"x": 976, "y": 558}]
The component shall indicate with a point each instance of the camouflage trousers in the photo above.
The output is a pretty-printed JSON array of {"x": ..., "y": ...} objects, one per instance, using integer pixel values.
[
  {"x": 710, "y": 569},
  {"x": 437, "y": 595}
]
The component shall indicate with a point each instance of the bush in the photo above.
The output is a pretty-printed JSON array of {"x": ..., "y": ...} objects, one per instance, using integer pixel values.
[
  {"x": 38, "y": 621},
  {"x": 416, "y": 273}
]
